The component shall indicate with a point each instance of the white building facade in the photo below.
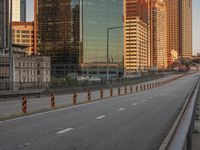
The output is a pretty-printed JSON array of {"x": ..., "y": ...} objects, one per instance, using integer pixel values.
[{"x": 19, "y": 10}]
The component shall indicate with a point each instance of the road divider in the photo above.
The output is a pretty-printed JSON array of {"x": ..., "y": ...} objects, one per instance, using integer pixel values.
[
  {"x": 52, "y": 101},
  {"x": 131, "y": 89},
  {"x": 89, "y": 96},
  {"x": 24, "y": 104},
  {"x": 125, "y": 90},
  {"x": 101, "y": 93},
  {"x": 119, "y": 91},
  {"x": 109, "y": 93},
  {"x": 74, "y": 98}
]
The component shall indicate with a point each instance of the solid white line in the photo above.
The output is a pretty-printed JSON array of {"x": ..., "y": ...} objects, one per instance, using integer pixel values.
[
  {"x": 100, "y": 117},
  {"x": 65, "y": 130},
  {"x": 121, "y": 109},
  {"x": 135, "y": 104}
]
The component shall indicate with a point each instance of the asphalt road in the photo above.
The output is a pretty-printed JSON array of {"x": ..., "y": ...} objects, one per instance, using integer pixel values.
[
  {"x": 138, "y": 121},
  {"x": 8, "y": 108}
]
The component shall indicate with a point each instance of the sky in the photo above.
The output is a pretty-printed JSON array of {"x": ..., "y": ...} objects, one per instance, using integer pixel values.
[{"x": 196, "y": 22}]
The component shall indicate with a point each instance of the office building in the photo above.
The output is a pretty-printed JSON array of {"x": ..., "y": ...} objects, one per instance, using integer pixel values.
[
  {"x": 179, "y": 27},
  {"x": 23, "y": 34},
  {"x": 135, "y": 36},
  {"x": 186, "y": 29},
  {"x": 4, "y": 25},
  {"x": 98, "y": 16},
  {"x": 4, "y": 41},
  {"x": 28, "y": 71},
  {"x": 159, "y": 40},
  {"x": 58, "y": 34},
  {"x": 76, "y": 32},
  {"x": 19, "y": 10}
]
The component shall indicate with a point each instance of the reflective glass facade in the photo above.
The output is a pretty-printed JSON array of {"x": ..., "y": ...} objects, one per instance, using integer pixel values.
[
  {"x": 4, "y": 24},
  {"x": 75, "y": 31},
  {"x": 98, "y": 15},
  {"x": 58, "y": 34},
  {"x": 1, "y": 24}
]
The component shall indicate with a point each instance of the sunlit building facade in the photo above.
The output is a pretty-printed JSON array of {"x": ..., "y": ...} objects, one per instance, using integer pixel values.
[
  {"x": 135, "y": 36},
  {"x": 179, "y": 27},
  {"x": 186, "y": 29},
  {"x": 159, "y": 40},
  {"x": 23, "y": 34},
  {"x": 19, "y": 10}
]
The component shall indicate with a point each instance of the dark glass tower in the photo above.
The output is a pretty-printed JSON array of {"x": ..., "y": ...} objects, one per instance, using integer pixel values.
[
  {"x": 73, "y": 32},
  {"x": 4, "y": 25},
  {"x": 58, "y": 34}
]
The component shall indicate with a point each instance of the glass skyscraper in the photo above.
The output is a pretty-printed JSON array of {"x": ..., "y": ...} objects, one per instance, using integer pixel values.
[
  {"x": 74, "y": 32},
  {"x": 4, "y": 25},
  {"x": 58, "y": 34},
  {"x": 98, "y": 15}
]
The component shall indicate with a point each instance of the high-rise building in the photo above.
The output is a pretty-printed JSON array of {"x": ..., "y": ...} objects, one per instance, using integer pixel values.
[
  {"x": 58, "y": 34},
  {"x": 19, "y": 10},
  {"x": 98, "y": 16},
  {"x": 186, "y": 29},
  {"x": 4, "y": 25},
  {"x": 135, "y": 36},
  {"x": 23, "y": 34},
  {"x": 159, "y": 40},
  {"x": 179, "y": 27},
  {"x": 4, "y": 41},
  {"x": 76, "y": 32}
]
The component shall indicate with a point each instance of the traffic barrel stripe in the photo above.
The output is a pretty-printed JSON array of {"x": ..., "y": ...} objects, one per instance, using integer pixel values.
[{"x": 24, "y": 104}]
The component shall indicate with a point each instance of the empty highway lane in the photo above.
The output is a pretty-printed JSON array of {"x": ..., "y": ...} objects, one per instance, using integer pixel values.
[{"x": 138, "y": 121}]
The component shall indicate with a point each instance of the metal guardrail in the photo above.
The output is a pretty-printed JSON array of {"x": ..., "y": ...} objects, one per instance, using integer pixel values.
[{"x": 184, "y": 125}]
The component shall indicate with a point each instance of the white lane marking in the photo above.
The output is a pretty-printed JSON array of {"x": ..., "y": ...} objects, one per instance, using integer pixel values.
[
  {"x": 100, "y": 117},
  {"x": 144, "y": 100},
  {"x": 121, "y": 109},
  {"x": 135, "y": 104},
  {"x": 151, "y": 97},
  {"x": 65, "y": 130},
  {"x": 52, "y": 111}
]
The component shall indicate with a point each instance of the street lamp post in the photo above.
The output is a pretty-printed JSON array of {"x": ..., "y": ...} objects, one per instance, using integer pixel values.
[
  {"x": 108, "y": 33},
  {"x": 11, "y": 51}
]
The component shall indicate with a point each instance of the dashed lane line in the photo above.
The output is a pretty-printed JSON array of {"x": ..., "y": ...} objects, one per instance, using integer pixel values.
[
  {"x": 135, "y": 104},
  {"x": 64, "y": 131},
  {"x": 100, "y": 117},
  {"x": 121, "y": 109}
]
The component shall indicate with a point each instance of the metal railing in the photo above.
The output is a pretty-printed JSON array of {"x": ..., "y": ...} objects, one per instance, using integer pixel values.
[{"x": 183, "y": 127}]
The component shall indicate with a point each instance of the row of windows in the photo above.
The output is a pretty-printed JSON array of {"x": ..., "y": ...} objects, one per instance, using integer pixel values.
[
  {"x": 32, "y": 80},
  {"x": 22, "y": 31},
  {"x": 24, "y": 64},
  {"x": 32, "y": 72}
]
